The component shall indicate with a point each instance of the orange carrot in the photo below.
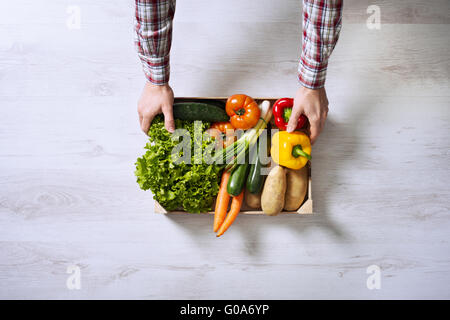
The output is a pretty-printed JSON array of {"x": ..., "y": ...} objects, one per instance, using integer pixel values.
[
  {"x": 235, "y": 208},
  {"x": 223, "y": 198}
]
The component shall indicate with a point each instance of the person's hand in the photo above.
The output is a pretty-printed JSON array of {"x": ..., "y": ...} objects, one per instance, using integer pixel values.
[
  {"x": 314, "y": 105},
  {"x": 156, "y": 99}
]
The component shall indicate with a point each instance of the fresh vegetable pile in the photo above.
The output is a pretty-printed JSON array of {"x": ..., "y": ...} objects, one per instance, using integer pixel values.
[
  {"x": 177, "y": 185},
  {"x": 235, "y": 160}
]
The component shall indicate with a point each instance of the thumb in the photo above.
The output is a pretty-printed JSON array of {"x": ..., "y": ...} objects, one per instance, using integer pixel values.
[
  {"x": 169, "y": 123},
  {"x": 295, "y": 115}
]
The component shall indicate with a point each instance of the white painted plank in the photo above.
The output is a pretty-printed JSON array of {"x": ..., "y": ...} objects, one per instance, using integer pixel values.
[
  {"x": 69, "y": 139},
  {"x": 149, "y": 271},
  {"x": 404, "y": 60}
]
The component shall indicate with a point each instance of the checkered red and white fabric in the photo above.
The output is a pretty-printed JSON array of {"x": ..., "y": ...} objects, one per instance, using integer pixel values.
[
  {"x": 153, "y": 26},
  {"x": 322, "y": 21},
  {"x": 321, "y": 25}
]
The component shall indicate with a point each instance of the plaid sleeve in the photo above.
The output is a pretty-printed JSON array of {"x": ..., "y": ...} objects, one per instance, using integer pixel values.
[
  {"x": 321, "y": 25},
  {"x": 153, "y": 26}
]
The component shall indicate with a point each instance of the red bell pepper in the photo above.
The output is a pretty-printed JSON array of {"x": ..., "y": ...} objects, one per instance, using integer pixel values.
[{"x": 282, "y": 110}]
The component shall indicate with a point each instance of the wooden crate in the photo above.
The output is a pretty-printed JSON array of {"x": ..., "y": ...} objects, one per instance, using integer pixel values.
[{"x": 305, "y": 208}]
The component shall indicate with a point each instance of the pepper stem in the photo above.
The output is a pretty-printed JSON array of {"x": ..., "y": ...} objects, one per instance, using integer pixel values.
[
  {"x": 240, "y": 111},
  {"x": 287, "y": 114},
  {"x": 297, "y": 151}
]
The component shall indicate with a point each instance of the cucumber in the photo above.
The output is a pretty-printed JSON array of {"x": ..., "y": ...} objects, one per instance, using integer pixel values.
[
  {"x": 255, "y": 180},
  {"x": 199, "y": 111},
  {"x": 237, "y": 179},
  {"x": 219, "y": 103}
]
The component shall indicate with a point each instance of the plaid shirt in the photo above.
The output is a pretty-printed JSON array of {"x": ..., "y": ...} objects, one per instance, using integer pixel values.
[{"x": 321, "y": 25}]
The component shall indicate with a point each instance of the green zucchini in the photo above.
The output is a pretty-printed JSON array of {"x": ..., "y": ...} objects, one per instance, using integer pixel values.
[
  {"x": 237, "y": 179},
  {"x": 199, "y": 111},
  {"x": 219, "y": 103},
  {"x": 255, "y": 180}
]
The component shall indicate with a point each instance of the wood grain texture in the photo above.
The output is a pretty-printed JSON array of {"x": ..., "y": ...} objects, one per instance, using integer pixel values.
[{"x": 69, "y": 139}]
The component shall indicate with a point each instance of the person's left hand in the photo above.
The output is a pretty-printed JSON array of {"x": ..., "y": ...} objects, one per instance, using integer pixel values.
[{"x": 313, "y": 103}]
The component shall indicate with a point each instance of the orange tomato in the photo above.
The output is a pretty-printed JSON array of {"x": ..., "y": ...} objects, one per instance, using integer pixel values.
[
  {"x": 243, "y": 111},
  {"x": 222, "y": 126},
  {"x": 227, "y": 129}
]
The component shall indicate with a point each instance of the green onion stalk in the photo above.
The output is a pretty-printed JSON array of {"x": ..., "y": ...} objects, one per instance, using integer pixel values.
[{"x": 239, "y": 148}]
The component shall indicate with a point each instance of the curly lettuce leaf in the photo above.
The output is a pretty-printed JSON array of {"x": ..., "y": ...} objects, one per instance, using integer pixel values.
[{"x": 177, "y": 184}]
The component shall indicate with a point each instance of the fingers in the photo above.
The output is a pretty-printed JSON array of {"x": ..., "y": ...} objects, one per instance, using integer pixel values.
[
  {"x": 168, "y": 119},
  {"x": 323, "y": 119},
  {"x": 295, "y": 115},
  {"x": 316, "y": 125},
  {"x": 147, "y": 119},
  {"x": 313, "y": 103},
  {"x": 321, "y": 124},
  {"x": 315, "y": 130}
]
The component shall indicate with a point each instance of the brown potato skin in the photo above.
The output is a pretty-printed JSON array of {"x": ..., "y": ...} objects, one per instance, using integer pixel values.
[
  {"x": 296, "y": 187},
  {"x": 272, "y": 198},
  {"x": 252, "y": 200}
]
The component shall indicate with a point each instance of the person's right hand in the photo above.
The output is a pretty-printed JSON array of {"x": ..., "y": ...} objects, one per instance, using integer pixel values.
[{"x": 156, "y": 99}]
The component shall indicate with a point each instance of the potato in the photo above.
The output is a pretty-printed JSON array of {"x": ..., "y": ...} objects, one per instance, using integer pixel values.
[
  {"x": 272, "y": 198},
  {"x": 252, "y": 200},
  {"x": 296, "y": 187}
]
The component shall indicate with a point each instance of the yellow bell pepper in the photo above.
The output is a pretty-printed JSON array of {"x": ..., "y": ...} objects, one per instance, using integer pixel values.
[{"x": 291, "y": 149}]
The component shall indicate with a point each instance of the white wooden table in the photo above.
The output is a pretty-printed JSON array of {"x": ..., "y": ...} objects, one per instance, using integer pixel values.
[{"x": 69, "y": 137}]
